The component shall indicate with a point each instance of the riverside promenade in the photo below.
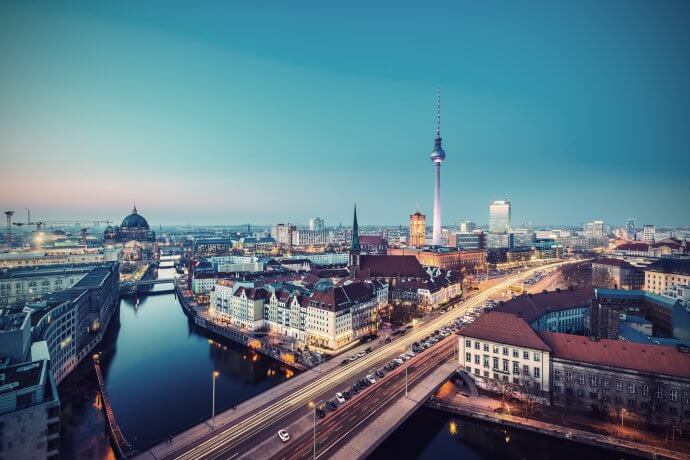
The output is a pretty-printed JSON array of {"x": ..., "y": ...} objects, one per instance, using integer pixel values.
[{"x": 456, "y": 400}]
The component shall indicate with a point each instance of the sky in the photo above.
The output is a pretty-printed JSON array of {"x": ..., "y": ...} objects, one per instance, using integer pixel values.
[{"x": 227, "y": 112}]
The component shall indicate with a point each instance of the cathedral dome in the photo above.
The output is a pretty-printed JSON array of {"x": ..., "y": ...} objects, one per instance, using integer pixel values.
[{"x": 134, "y": 220}]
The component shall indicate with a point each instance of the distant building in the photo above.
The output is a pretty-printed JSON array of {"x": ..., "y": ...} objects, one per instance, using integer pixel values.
[
  {"x": 649, "y": 233},
  {"x": 594, "y": 229},
  {"x": 309, "y": 237},
  {"x": 620, "y": 273},
  {"x": 665, "y": 274},
  {"x": 465, "y": 241},
  {"x": 447, "y": 260},
  {"x": 500, "y": 240},
  {"x": 133, "y": 228},
  {"x": 212, "y": 246},
  {"x": 467, "y": 226},
  {"x": 373, "y": 244},
  {"x": 316, "y": 224},
  {"x": 630, "y": 229},
  {"x": 282, "y": 233},
  {"x": 59, "y": 256},
  {"x": 499, "y": 216},
  {"x": 417, "y": 229}
]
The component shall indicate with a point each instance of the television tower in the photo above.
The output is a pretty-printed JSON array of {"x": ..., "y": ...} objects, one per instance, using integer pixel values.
[{"x": 437, "y": 156}]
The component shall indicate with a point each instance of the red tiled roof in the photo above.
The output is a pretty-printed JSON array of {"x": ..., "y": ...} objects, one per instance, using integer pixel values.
[
  {"x": 504, "y": 328},
  {"x": 633, "y": 247},
  {"x": 341, "y": 297},
  {"x": 532, "y": 306},
  {"x": 612, "y": 262},
  {"x": 392, "y": 266},
  {"x": 374, "y": 240},
  {"x": 639, "y": 357}
]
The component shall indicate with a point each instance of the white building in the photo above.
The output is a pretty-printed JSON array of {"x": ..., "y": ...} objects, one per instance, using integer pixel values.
[
  {"x": 60, "y": 256},
  {"x": 648, "y": 233},
  {"x": 499, "y": 216},
  {"x": 309, "y": 238},
  {"x": 316, "y": 224}
]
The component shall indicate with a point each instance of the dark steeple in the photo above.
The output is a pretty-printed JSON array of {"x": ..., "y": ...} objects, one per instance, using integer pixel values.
[
  {"x": 355, "y": 234},
  {"x": 355, "y": 248}
]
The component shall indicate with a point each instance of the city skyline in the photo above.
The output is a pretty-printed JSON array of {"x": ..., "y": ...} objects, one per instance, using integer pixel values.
[{"x": 173, "y": 103}]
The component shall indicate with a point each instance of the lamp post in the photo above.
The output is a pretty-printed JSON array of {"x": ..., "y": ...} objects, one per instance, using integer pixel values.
[
  {"x": 316, "y": 405},
  {"x": 622, "y": 413},
  {"x": 214, "y": 375}
]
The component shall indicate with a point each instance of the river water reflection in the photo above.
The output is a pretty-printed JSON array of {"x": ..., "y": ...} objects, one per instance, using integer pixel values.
[{"x": 157, "y": 367}]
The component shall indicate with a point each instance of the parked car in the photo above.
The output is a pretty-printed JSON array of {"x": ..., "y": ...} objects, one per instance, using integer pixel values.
[
  {"x": 371, "y": 379},
  {"x": 346, "y": 395},
  {"x": 320, "y": 412},
  {"x": 339, "y": 397},
  {"x": 344, "y": 361},
  {"x": 398, "y": 361},
  {"x": 330, "y": 406},
  {"x": 380, "y": 374},
  {"x": 283, "y": 435}
]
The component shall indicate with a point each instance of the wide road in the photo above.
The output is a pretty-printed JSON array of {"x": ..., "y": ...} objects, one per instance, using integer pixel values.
[
  {"x": 339, "y": 426},
  {"x": 227, "y": 441}
]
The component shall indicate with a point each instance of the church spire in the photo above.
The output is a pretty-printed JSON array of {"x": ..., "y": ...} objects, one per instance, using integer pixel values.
[
  {"x": 134, "y": 208},
  {"x": 355, "y": 247}
]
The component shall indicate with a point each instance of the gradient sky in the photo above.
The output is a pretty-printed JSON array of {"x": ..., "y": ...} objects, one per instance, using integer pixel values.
[{"x": 229, "y": 114}]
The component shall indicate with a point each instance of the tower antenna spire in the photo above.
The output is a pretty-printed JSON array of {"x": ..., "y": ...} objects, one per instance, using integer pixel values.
[{"x": 438, "y": 114}]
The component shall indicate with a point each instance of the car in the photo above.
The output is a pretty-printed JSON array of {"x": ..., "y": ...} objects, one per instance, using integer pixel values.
[
  {"x": 369, "y": 350},
  {"x": 283, "y": 435},
  {"x": 344, "y": 361},
  {"x": 443, "y": 311},
  {"x": 411, "y": 353},
  {"x": 380, "y": 374},
  {"x": 339, "y": 397},
  {"x": 367, "y": 382},
  {"x": 346, "y": 395},
  {"x": 353, "y": 357},
  {"x": 354, "y": 390},
  {"x": 320, "y": 412},
  {"x": 371, "y": 378},
  {"x": 361, "y": 353},
  {"x": 398, "y": 361},
  {"x": 388, "y": 340},
  {"x": 330, "y": 406}
]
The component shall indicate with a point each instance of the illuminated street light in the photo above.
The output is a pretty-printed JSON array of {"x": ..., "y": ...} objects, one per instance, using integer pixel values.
[{"x": 213, "y": 399}]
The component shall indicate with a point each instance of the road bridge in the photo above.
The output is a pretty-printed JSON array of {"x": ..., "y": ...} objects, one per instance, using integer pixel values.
[{"x": 238, "y": 430}]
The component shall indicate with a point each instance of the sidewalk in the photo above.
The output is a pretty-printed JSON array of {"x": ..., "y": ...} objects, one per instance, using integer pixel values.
[{"x": 549, "y": 420}]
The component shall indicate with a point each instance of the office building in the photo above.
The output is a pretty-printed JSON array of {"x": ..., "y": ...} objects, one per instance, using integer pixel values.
[
  {"x": 316, "y": 224},
  {"x": 417, "y": 229},
  {"x": 649, "y": 233},
  {"x": 630, "y": 229},
  {"x": 665, "y": 274},
  {"x": 594, "y": 229},
  {"x": 282, "y": 233},
  {"x": 467, "y": 226},
  {"x": 499, "y": 216}
]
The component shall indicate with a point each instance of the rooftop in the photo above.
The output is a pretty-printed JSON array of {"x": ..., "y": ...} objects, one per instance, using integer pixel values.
[
  {"x": 20, "y": 376},
  {"x": 392, "y": 266},
  {"x": 674, "y": 266},
  {"x": 657, "y": 299},
  {"x": 505, "y": 328},
  {"x": 533, "y": 306},
  {"x": 655, "y": 359}
]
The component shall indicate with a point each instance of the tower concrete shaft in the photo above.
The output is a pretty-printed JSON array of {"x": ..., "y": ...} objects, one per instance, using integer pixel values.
[{"x": 436, "y": 236}]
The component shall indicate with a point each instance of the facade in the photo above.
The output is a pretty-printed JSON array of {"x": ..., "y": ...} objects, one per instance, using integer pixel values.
[
  {"x": 324, "y": 258},
  {"x": 316, "y": 224},
  {"x": 373, "y": 244},
  {"x": 594, "y": 230},
  {"x": 499, "y": 216},
  {"x": 501, "y": 352},
  {"x": 630, "y": 229},
  {"x": 230, "y": 264},
  {"x": 465, "y": 241},
  {"x": 617, "y": 272},
  {"x": 467, "y": 226},
  {"x": 499, "y": 241},
  {"x": 133, "y": 228},
  {"x": 647, "y": 384},
  {"x": 282, "y": 233},
  {"x": 309, "y": 238},
  {"x": 417, "y": 229},
  {"x": 562, "y": 310},
  {"x": 212, "y": 246},
  {"x": 665, "y": 274},
  {"x": 19, "y": 285},
  {"x": 648, "y": 233},
  {"x": 60, "y": 256},
  {"x": 447, "y": 260},
  {"x": 29, "y": 412}
]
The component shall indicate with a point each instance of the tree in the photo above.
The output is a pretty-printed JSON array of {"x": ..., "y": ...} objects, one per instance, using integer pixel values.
[{"x": 601, "y": 278}]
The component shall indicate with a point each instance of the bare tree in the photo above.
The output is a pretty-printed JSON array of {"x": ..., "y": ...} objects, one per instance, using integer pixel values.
[{"x": 601, "y": 278}]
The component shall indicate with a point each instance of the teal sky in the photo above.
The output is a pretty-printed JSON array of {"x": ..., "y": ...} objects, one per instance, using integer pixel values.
[{"x": 228, "y": 113}]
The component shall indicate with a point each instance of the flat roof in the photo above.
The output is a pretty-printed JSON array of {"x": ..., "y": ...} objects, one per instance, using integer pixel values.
[{"x": 20, "y": 376}]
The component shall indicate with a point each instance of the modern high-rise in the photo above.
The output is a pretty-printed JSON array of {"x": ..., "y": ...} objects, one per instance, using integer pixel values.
[
  {"x": 417, "y": 229},
  {"x": 630, "y": 229},
  {"x": 648, "y": 233},
  {"x": 316, "y": 224},
  {"x": 499, "y": 216},
  {"x": 467, "y": 226},
  {"x": 594, "y": 229},
  {"x": 437, "y": 157}
]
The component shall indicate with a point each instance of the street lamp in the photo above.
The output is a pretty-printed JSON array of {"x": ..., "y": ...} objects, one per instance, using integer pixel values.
[
  {"x": 213, "y": 399},
  {"x": 622, "y": 412},
  {"x": 316, "y": 405}
]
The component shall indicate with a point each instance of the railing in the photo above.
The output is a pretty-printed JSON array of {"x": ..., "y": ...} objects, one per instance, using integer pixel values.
[{"x": 123, "y": 448}]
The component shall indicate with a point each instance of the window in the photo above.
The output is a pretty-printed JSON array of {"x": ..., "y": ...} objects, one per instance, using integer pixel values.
[
  {"x": 486, "y": 347},
  {"x": 537, "y": 357},
  {"x": 581, "y": 379},
  {"x": 673, "y": 394},
  {"x": 495, "y": 362},
  {"x": 495, "y": 348},
  {"x": 631, "y": 402},
  {"x": 605, "y": 383},
  {"x": 516, "y": 367},
  {"x": 593, "y": 381},
  {"x": 525, "y": 355},
  {"x": 476, "y": 359},
  {"x": 505, "y": 351},
  {"x": 659, "y": 393},
  {"x": 631, "y": 388},
  {"x": 536, "y": 372},
  {"x": 505, "y": 365},
  {"x": 468, "y": 357},
  {"x": 619, "y": 385},
  {"x": 486, "y": 360},
  {"x": 557, "y": 375},
  {"x": 556, "y": 389},
  {"x": 568, "y": 376},
  {"x": 476, "y": 345},
  {"x": 525, "y": 369},
  {"x": 468, "y": 343},
  {"x": 516, "y": 353}
]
